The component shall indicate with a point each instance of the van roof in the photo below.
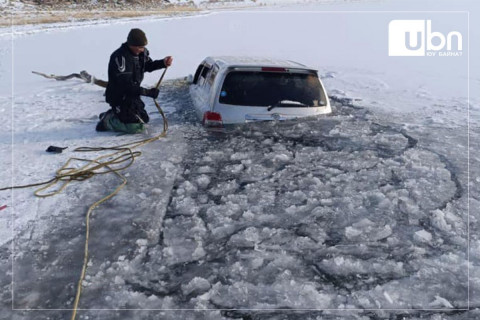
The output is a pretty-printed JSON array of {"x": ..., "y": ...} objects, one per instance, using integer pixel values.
[{"x": 245, "y": 61}]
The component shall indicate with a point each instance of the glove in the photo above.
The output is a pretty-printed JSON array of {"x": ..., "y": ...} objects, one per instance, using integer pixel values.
[
  {"x": 153, "y": 92},
  {"x": 168, "y": 61}
]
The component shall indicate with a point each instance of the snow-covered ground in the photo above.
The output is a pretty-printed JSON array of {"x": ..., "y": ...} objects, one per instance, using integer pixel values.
[{"x": 362, "y": 214}]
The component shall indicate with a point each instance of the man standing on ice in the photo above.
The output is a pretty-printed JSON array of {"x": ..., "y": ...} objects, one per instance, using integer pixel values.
[{"x": 125, "y": 74}]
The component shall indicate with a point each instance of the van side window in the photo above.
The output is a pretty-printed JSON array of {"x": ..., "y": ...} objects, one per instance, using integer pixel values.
[
  {"x": 203, "y": 75},
  {"x": 197, "y": 74},
  {"x": 205, "y": 71}
]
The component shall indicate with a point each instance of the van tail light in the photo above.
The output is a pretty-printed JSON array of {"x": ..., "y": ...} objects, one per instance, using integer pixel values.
[
  {"x": 274, "y": 69},
  {"x": 212, "y": 119}
]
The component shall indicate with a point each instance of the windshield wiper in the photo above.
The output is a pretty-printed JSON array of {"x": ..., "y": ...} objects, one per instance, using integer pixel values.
[{"x": 286, "y": 103}]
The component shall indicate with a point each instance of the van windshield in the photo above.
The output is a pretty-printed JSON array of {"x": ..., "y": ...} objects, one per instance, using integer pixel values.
[{"x": 256, "y": 88}]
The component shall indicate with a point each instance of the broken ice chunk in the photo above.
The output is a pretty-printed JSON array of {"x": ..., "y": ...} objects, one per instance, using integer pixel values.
[{"x": 422, "y": 236}]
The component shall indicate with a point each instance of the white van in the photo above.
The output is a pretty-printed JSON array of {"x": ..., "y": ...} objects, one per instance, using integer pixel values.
[{"x": 227, "y": 90}]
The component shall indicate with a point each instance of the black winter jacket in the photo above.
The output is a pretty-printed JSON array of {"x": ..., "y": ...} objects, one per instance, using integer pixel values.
[{"x": 125, "y": 75}]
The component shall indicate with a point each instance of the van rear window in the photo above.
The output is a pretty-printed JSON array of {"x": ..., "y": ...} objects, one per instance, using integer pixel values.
[{"x": 255, "y": 88}]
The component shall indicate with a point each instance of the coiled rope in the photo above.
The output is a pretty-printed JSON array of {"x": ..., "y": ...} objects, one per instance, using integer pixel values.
[{"x": 121, "y": 158}]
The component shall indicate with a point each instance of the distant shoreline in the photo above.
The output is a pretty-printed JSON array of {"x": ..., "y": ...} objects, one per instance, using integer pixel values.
[
  {"x": 47, "y": 16},
  {"x": 36, "y": 14}
]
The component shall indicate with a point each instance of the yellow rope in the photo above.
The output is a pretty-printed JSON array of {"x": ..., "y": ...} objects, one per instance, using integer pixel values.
[
  {"x": 119, "y": 159},
  {"x": 87, "y": 236},
  {"x": 122, "y": 157}
]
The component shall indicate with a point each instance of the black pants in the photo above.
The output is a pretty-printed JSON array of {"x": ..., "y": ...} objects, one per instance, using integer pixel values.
[{"x": 132, "y": 110}]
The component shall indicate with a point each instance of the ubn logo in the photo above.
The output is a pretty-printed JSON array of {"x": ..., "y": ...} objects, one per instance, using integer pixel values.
[{"x": 415, "y": 38}]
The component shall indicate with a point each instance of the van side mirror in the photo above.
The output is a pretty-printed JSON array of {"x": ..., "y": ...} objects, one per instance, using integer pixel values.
[{"x": 189, "y": 79}]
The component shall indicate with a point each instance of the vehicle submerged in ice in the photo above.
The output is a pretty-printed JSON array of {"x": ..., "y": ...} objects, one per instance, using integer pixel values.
[{"x": 228, "y": 90}]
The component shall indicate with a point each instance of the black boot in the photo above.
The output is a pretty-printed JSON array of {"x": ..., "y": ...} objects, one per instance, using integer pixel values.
[{"x": 101, "y": 126}]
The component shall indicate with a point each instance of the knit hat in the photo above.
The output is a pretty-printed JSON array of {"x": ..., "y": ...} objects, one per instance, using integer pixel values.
[{"x": 137, "y": 38}]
